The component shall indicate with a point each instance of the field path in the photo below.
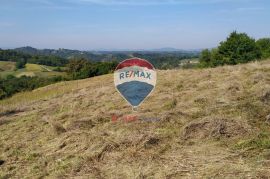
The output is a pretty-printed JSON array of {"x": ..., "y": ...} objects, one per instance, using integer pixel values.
[{"x": 45, "y": 68}]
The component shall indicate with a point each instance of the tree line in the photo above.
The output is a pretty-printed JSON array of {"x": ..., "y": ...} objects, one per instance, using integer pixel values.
[
  {"x": 238, "y": 48},
  {"x": 21, "y": 58},
  {"x": 12, "y": 85},
  {"x": 166, "y": 60},
  {"x": 161, "y": 60},
  {"x": 82, "y": 68}
]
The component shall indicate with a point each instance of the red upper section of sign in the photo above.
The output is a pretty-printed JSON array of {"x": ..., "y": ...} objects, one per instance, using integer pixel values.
[{"x": 135, "y": 62}]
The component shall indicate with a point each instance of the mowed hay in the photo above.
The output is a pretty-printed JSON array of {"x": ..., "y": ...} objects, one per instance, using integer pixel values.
[
  {"x": 215, "y": 128},
  {"x": 266, "y": 97},
  {"x": 85, "y": 129}
]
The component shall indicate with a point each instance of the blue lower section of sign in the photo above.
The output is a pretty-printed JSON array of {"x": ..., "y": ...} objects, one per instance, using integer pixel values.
[{"x": 135, "y": 91}]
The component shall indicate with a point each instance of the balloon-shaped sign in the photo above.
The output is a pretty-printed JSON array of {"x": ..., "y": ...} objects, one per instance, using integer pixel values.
[{"x": 135, "y": 79}]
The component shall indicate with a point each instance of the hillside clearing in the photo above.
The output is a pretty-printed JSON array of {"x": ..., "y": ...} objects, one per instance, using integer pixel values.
[
  {"x": 7, "y": 66},
  {"x": 33, "y": 67},
  {"x": 212, "y": 124},
  {"x": 30, "y": 70}
]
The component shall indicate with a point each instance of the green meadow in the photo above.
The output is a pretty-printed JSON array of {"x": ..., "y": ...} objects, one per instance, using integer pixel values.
[{"x": 30, "y": 70}]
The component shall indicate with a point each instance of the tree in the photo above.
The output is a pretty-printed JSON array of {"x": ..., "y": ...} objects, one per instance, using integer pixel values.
[
  {"x": 238, "y": 48},
  {"x": 80, "y": 69},
  {"x": 205, "y": 58},
  {"x": 264, "y": 46},
  {"x": 20, "y": 64},
  {"x": 105, "y": 67},
  {"x": 216, "y": 58},
  {"x": 75, "y": 65},
  {"x": 2, "y": 94}
]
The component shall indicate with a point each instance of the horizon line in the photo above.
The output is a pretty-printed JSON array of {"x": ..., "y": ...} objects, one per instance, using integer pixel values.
[{"x": 110, "y": 50}]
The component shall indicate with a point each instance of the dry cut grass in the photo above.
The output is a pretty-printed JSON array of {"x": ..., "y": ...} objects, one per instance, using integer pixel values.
[{"x": 213, "y": 123}]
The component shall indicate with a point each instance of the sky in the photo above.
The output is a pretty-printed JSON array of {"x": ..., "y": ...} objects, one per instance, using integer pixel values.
[{"x": 129, "y": 24}]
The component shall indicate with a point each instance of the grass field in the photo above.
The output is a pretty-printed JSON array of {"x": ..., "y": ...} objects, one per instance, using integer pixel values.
[
  {"x": 213, "y": 123},
  {"x": 34, "y": 68},
  {"x": 54, "y": 68},
  {"x": 8, "y": 68}
]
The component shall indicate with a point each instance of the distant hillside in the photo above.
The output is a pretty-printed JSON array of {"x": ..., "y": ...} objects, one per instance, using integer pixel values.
[
  {"x": 105, "y": 55},
  {"x": 161, "y": 59},
  {"x": 200, "y": 123},
  {"x": 8, "y": 68},
  {"x": 68, "y": 54}
]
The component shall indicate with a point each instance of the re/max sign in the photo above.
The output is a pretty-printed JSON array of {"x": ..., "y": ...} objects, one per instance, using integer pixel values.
[{"x": 132, "y": 74}]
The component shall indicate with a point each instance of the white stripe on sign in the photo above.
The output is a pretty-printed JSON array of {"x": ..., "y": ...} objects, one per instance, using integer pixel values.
[{"x": 135, "y": 73}]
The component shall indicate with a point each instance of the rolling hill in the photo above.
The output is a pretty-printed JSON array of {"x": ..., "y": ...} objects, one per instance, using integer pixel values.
[
  {"x": 108, "y": 55},
  {"x": 200, "y": 123},
  {"x": 9, "y": 68}
]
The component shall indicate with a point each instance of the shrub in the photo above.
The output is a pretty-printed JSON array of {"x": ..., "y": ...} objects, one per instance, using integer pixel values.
[
  {"x": 238, "y": 48},
  {"x": 205, "y": 58},
  {"x": 264, "y": 46},
  {"x": 20, "y": 64}
]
